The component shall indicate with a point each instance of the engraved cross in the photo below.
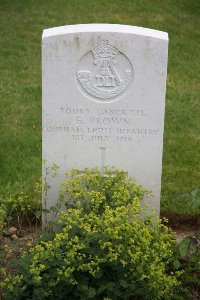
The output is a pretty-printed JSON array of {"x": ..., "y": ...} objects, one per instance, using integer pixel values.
[{"x": 102, "y": 158}]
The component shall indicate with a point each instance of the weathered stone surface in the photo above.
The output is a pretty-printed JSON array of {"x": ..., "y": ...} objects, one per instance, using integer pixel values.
[{"x": 104, "y": 100}]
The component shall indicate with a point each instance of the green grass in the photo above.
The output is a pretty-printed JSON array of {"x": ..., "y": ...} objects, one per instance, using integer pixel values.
[{"x": 21, "y": 25}]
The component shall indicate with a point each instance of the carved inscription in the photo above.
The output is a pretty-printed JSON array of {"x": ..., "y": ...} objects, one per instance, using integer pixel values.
[
  {"x": 102, "y": 125},
  {"x": 108, "y": 74}
]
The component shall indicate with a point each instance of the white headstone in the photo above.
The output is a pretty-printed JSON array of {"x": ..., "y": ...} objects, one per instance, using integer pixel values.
[{"x": 104, "y": 99}]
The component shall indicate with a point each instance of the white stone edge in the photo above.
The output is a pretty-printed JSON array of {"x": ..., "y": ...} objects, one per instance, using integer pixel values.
[{"x": 69, "y": 29}]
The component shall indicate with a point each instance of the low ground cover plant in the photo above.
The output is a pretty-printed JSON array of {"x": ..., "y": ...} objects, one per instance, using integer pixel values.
[
  {"x": 107, "y": 245},
  {"x": 21, "y": 208}
]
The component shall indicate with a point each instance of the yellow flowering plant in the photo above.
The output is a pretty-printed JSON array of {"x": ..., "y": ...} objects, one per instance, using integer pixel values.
[
  {"x": 22, "y": 208},
  {"x": 107, "y": 246}
]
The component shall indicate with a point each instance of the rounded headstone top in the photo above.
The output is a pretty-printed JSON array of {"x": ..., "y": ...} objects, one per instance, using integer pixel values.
[{"x": 68, "y": 29}]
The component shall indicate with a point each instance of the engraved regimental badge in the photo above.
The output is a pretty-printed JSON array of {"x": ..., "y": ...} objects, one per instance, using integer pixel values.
[{"x": 104, "y": 73}]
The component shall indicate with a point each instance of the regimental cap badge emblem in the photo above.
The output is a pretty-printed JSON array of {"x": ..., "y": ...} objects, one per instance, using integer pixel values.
[
  {"x": 108, "y": 74},
  {"x": 104, "y": 52}
]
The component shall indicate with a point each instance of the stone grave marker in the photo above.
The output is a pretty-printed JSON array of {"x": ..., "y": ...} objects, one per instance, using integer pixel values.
[{"x": 103, "y": 89}]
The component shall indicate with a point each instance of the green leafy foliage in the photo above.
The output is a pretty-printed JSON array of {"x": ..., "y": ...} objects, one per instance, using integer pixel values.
[
  {"x": 107, "y": 246},
  {"x": 21, "y": 208},
  {"x": 195, "y": 198},
  {"x": 188, "y": 247},
  {"x": 191, "y": 276},
  {"x": 188, "y": 254},
  {"x": 92, "y": 191}
]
